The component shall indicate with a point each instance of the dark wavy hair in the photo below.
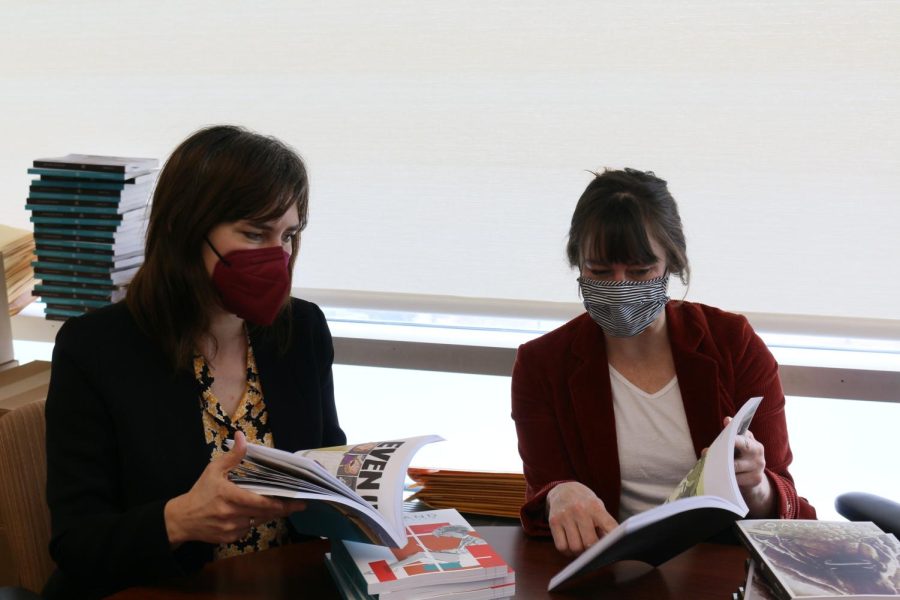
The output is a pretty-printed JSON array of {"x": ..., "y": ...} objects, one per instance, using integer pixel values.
[
  {"x": 219, "y": 174},
  {"x": 614, "y": 216}
]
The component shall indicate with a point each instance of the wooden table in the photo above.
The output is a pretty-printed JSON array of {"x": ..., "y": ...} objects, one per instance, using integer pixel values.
[{"x": 707, "y": 571}]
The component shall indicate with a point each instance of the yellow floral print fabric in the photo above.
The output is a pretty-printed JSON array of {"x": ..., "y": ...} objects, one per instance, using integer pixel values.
[{"x": 252, "y": 418}]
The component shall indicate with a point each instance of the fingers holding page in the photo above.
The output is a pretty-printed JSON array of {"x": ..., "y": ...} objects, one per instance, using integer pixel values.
[
  {"x": 750, "y": 473},
  {"x": 749, "y": 460},
  {"x": 216, "y": 510}
]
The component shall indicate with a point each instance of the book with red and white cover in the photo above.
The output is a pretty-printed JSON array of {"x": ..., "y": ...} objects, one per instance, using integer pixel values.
[
  {"x": 486, "y": 589},
  {"x": 441, "y": 548}
]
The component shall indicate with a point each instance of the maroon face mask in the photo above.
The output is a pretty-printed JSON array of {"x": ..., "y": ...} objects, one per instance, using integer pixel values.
[{"x": 253, "y": 283}]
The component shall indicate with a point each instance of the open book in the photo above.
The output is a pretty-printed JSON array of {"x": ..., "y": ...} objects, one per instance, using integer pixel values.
[
  {"x": 705, "y": 503},
  {"x": 353, "y": 492}
]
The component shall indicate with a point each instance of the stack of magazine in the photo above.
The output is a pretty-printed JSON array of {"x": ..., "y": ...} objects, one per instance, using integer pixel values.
[
  {"x": 817, "y": 560},
  {"x": 17, "y": 248},
  {"x": 90, "y": 217},
  {"x": 443, "y": 558},
  {"x": 475, "y": 492}
]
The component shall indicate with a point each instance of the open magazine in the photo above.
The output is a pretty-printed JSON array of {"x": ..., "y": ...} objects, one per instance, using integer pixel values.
[
  {"x": 353, "y": 492},
  {"x": 705, "y": 503}
]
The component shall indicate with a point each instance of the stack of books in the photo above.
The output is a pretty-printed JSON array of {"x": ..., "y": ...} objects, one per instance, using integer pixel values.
[
  {"x": 474, "y": 492},
  {"x": 444, "y": 558},
  {"x": 817, "y": 560},
  {"x": 23, "y": 385},
  {"x": 17, "y": 248},
  {"x": 90, "y": 217}
]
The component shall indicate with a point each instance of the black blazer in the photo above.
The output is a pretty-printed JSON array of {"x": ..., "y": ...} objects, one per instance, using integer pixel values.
[{"x": 125, "y": 435}]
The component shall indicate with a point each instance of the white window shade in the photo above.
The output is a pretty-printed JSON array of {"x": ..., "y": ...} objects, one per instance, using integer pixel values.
[{"x": 448, "y": 143}]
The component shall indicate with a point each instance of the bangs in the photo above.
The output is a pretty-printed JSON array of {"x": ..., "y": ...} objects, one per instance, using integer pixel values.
[
  {"x": 266, "y": 196},
  {"x": 617, "y": 233},
  {"x": 277, "y": 203}
]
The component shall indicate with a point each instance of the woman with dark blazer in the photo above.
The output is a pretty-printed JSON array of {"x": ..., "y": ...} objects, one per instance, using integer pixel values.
[
  {"x": 615, "y": 406},
  {"x": 207, "y": 346}
]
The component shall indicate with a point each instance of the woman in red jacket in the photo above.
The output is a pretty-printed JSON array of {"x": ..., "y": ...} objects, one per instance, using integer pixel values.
[{"x": 615, "y": 406}]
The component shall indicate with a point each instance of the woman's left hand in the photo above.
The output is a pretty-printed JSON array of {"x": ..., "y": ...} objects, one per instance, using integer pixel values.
[{"x": 749, "y": 469}]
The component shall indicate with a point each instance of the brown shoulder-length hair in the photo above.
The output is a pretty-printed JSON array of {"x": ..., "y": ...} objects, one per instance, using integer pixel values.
[
  {"x": 614, "y": 216},
  {"x": 219, "y": 174}
]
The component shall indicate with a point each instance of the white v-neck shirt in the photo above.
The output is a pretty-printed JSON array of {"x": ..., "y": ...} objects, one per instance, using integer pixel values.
[{"x": 654, "y": 443}]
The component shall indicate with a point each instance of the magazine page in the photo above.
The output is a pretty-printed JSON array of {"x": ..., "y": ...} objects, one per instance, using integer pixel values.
[
  {"x": 374, "y": 471},
  {"x": 713, "y": 475},
  {"x": 362, "y": 482},
  {"x": 336, "y": 517},
  {"x": 282, "y": 470}
]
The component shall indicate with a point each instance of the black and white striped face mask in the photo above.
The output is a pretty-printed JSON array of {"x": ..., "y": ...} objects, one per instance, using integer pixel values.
[{"x": 624, "y": 308}]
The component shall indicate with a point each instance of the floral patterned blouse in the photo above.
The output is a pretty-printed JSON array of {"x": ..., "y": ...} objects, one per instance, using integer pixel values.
[{"x": 252, "y": 418}]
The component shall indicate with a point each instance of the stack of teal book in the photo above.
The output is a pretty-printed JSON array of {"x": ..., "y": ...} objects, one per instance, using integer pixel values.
[{"x": 90, "y": 218}]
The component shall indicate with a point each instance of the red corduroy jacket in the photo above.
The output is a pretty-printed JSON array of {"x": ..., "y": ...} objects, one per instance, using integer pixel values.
[{"x": 563, "y": 410}]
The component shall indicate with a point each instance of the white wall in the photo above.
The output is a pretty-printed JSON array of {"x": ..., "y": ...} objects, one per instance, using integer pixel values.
[{"x": 447, "y": 142}]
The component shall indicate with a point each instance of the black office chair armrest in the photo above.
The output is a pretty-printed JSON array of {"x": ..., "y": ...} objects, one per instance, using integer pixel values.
[{"x": 859, "y": 506}]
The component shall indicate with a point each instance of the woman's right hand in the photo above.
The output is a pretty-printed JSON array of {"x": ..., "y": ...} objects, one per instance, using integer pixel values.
[
  {"x": 217, "y": 511},
  {"x": 577, "y": 517}
]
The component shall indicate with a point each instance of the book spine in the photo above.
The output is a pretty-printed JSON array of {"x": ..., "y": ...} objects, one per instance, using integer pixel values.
[
  {"x": 73, "y": 235},
  {"x": 62, "y": 213},
  {"x": 89, "y": 224},
  {"x": 776, "y": 585},
  {"x": 55, "y": 300},
  {"x": 92, "y": 287},
  {"x": 59, "y": 291},
  {"x": 344, "y": 561},
  {"x": 88, "y": 273},
  {"x": 86, "y": 278},
  {"x": 72, "y": 200},
  {"x": 64, "y": 192},
  {"x": 81, "y": 267},
  {"x": 52, "y": 317},
  {"x": 78, "y": 174},
  {"x": 98, "y": 260},
  {"x": 78, "y": 210},
  {"x": 63, "y": 312},
  {"x": 91, "y": 248},
  {"x": 51, "y": 164},
  {"x": 74, "y": 248},
  {"x": 86, "y": 266},
  {"x": 59, "y": 177},
  {"x": 80, "y": 186}
]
